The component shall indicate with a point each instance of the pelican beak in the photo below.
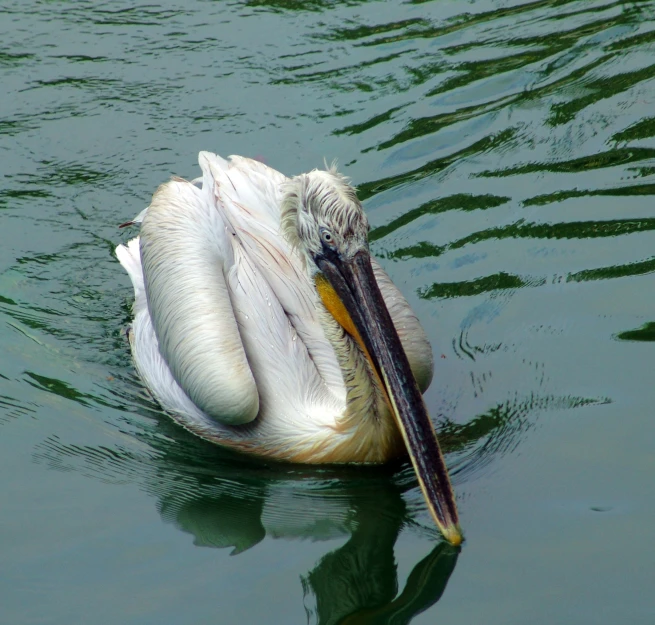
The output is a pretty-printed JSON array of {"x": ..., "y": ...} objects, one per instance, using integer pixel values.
[{"x": 354, "y": 283}]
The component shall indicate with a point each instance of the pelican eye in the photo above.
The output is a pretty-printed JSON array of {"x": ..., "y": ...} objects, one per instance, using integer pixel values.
[{"x": 326, "y": 237}]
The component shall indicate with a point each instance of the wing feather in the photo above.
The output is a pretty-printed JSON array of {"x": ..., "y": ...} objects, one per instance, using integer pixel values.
[
  {"x": 184, "y": 252},
  {"x": 225, "y": 324}
]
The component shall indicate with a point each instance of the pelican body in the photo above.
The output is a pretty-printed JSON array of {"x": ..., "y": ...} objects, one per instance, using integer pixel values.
[{"x": 262, "y": 323}]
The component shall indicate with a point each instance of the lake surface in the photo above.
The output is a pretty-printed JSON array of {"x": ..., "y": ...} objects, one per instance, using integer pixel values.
[{"x": 505, "y": 153}]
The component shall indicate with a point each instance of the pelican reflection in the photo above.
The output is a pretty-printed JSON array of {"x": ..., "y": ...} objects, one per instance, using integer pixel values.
[{"x": 356, "y": 582}]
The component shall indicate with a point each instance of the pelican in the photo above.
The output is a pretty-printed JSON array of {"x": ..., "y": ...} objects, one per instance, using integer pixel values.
[{"x": 262, "y": 323}]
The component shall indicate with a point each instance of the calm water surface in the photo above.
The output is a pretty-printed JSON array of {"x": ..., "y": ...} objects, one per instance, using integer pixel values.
[{"x": 505, "y": 153}]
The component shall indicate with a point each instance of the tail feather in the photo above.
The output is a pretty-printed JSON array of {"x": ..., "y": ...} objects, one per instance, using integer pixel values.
[{"x": 129, "y": 256}]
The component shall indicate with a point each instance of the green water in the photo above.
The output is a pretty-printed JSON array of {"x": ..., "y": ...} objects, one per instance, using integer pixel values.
[{"x": 505, "y": 152}]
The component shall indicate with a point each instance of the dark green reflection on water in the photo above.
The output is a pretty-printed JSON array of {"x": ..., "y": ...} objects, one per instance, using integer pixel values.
[
  {"x": 613, "y": 271},
  {"x": 460, "y": 201},
  {"x": 368, "y": 189},
  {"x": 358, "y": 582},
  {"x": 611, "y": 158},
  {"x": 493, "y": 282},
  {"x": 601, "y": 89},
  {"x": 558, "y": 196},
  {"x": 540, "y": 51},
  {"x": 645, "y": 333},
  {"x": 641, "y": 130}
]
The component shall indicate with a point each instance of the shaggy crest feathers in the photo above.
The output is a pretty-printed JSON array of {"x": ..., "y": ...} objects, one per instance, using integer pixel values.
[{"x": 323, "y": 200}]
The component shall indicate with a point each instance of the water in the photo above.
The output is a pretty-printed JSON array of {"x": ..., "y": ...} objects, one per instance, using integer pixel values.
[{"x": 505, "y": 151}]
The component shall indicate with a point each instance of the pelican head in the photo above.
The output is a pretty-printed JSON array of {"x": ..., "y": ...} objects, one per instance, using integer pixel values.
[
  {"x": 323, "y": 219},
  {"x": 321, "y": 209}
]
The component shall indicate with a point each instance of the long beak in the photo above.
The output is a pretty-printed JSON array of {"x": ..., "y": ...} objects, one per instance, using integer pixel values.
[{"x": 355, "y": 284}]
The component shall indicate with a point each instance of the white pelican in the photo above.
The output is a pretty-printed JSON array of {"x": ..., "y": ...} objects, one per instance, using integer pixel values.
[{"x": 263, "y": 324}]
